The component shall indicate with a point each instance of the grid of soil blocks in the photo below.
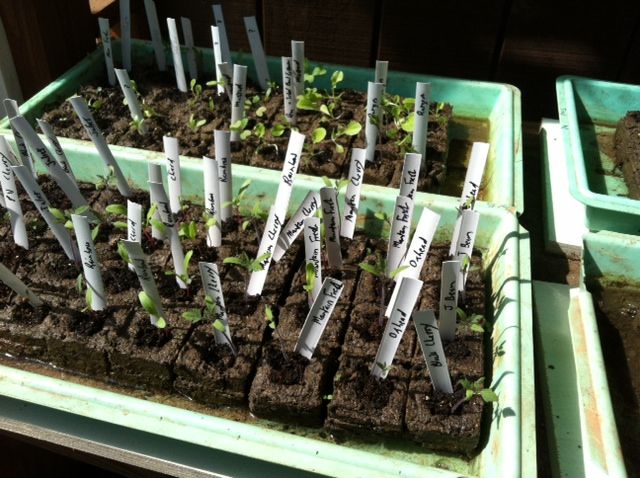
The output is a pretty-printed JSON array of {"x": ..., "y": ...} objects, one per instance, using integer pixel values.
[
  {"x": 174, "y": 113},
  {"x": 627, "y": 148},
  {"x": 334, "y": 389}
]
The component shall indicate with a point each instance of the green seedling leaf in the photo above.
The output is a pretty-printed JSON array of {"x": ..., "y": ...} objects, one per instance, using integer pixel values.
[
  {"x": 407, "y": 124},
  {"x": 192, "y": 315},
  {"x": 278, "y": 130},
  {"x": 336, "y": 78},
  {"x": 58, "y": 215},
  {"x": 353, "y": 128},
  {"x": 149, "y": 305},
  {"x": 219, "y": 326},
  {"x": 116, "y": 209},
  {"x": 318, "y": 135},
  {"x": 310, "y": 278},
  {"x": 122, "y": 252},
  {"x": 397, "y": 271},
  {"x": 488, "y": 395},
  {"x": 121, "y": 225},
  {"x": 94, "y": 232}
]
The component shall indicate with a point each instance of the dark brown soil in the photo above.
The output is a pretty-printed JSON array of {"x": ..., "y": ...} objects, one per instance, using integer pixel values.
[{"x": 627, "y": 148}]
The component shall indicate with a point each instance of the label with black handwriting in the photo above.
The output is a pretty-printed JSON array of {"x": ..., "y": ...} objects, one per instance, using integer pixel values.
[
  {"x": 466, "y": 239},
  {"x": 212, "y": 201},
  {"x": 401, "y": 310},
  {"x": 400, "y": 232},
  {"x": 176, "y": 53},
  {"x": 12, "y": 109},
  {"x": 292, "y": 229},
  {"x": 90, "y": 263},
  {"x": 174, "y": 181},
  {"x": 410, "y": 173},
  {"x": 255, "y": 43},
  {"x": 187, "y": 33},
  {"x": 266, "y": 248},
  {"x": 237, "y": 97},
  {"x": 431, "y": 345},
  {"x": 156, "y": 35},
  {"x": 125, "y": 33},
  {"x": 10, "y": 195},
  {"x": 47, "y": 130},
  {"x": 224, "y": 40},
  {"x": 217, "y": 59},
  {"x": 449, "y": 299},
  {"x": 319, "y": 316},
  {"x": 352, "y": 195},
  {"x": 132, "y": 99},
  {"x": 374, "y": 117},
  {"x": 331, "y": 219},
  {"x": 212, "y": 286},
  {"x": 134, "y": 223},
  {"x": 19, "y": 287},
  {"x": 313, "y": 253},
  {"x": 222, "y": 143},
  {"x": 421, "y": 118},
  {"x": 145, "y": 275},
  {"x": 289, "y": 172},
  {"x": 297, "y": 65},
  {"x": 105, "y": 36},
  {"x": 288, "y": 90}
]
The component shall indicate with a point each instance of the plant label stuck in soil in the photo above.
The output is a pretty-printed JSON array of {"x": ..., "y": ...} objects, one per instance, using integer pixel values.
[
  {"x": 132, "y": 99},
  {"x": 401, "y": 310},
  {"x": 176, "y": 53},
  {"x": 292, "y": 229},
  {"x": 155, "y": 176},
  {"x": 410, "y": 172},
  {"x": 11, "y": 108},
  {"x": 224, "y": 39},
  {"x": 267, "y": 246},
  {"x": 212, "y": 201},
  {"x": 96, "y": 298},
  {"x": 174, "y": 181},
  {"x": 432, "y": 350},
  {"x": 400, "y": 231},
  {"x": 134, "y": 223},
  {"x": 464, "y": 247},
  {"x": 382, "y": 68},
  {"x": 297, "y": 65},
  {"x": 10, "y": 195},
  {"x": 288, "y": 90},
  {"x": 331, "y": 219},
  {"x": 125, "y": 33},
  {"x": 374, "y": 117},
  {"x": 313, "y": 253},
  {"x": 318, "y": 316},
  {"x": 19, "y": 287},
  {"x": 145, "y": 275},
  {"x": 237, "y": 99},
  {"x": 187, "y": 33},
  {"x": 421, "y": 119},
  {"x": 289, "y": 172},
  {"x": 105, "y": 35},
  {"x": 213, "y": 288},
  {"x": 352, "y": 195},
  {"x": 222, "y": 143},
  {"x": 156, "y": 35},
  {"x": 259, "y": 60},
  {"x": 449, "y": 298},
  {"x": 217, "y": 59},
  {"x": 47, "y": 130}
]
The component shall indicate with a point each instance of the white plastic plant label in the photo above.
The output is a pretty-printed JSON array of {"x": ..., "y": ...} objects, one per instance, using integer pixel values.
[
  {"x": 290, "y": 231},
  {"x": 167, "y": 218},
  {"x": 174, "y": 180},
  {"x": 213, "y": 288},
  {"x": 400, "y": 233},
  {"x": 19, "y": 287},
  {"x": 473, "y": 178},
  {"x": 237, "y": 97},
  {"x": 223, "y": 157},
  {"x": 382, "y": 68},
  {"x": 176, "y": 53},
  {"x": 466, "y": 239},
  {"x": 257, "y": 50},
  {"x": 401, "y": 310},
  {"x": 297, "y": 66},
  {"x": 90, "y": 265},
  {"x": 313, "y": 253},
  {"x": 90, "y": 125},
  {"x": 319, "y": 316},
  {"x": 155, "y": 176},
  {"x": 421, "y": 118},
  {"x": 47, "y": 130},
  {"x": 156, "y": 34},
  {"x": 10, "y": 195},
  {"x": 414, "y": 259},
  {"x": 331, "y": 219},
  {"x": 105, "y": 35},
  {"x": 224, "y": 39},
  {"x": 125, "y": 33},
  {"x": 410, "y": 173},
  {"x": 41, "y": 203},
  {"x": 265, "y": 251},
  {"x": 38, "y": 149},
  {"x": 288, "y": 90},
  {"x": 134, "y": 224},
  {"x": 187, "y": 33},
  {"x": 212, "y": 201},
  {"x": 226, "y": 70},
  {"x": 374, "y": 117},
  {"x": 145, "y": 276},
  {"x": 431, "y": 345},
  {"x": 289, "y": 172},
  {"x": 352, "y": 195},
  {"x": 449, "y": 299},
  {"x": 11, "y": 107},
  {"x": 217, "y": 58},
  {"x": 132, "y": 98}
]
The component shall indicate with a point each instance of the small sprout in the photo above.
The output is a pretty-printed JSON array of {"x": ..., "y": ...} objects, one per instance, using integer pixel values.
[
  {"x": 237, "y": 199},
  {"x": 327, "y": 397},
  {"x": 317, "y": 71},
  {"x": 95, "y": 232},
  {"x": 261, "y": 111},
  {"x": 192, "y": 315},
  {"x": 137, "y": 123},
  {"x": 278, "y": 130},
  {"x": 337, "y": 184},
  {"x": 268, "y": 314},
  {"x": 95, "y": 104},
  {"x": 104, "y": 181},
  {"x": 152, "y": 309},
  {"x": 123, "y": 253},
  {"x": 219, "y": 326},
  {"x": 383, "y": 216},
  {"x": 384, "y": 367},
  {"x": 188, "y": 231},
  {"x": 151, "y": 221},
  {"x": 477, "y": 388},
  {"x": 244, "y": 261},
  {"x": 196, "y": 90},
  {"x": 212, "y": 105},
  {"x": 116, "y": 209},
  {"x": 318, "y": 135},
  {"x": 351, "y": 129},
  {"x": 476, "y": 322},
  {"x": 123, "y": 226},
  {"x": 195, "y": 124},
  {"x": 310, "y": 278},
  {"x": 336, "y": 79}
]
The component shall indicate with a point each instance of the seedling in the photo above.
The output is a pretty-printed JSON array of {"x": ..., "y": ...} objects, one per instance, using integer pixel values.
[
  {"x": 476, "y": 322},
  {"x": 272, "y": 87},
  {"x": 310, "y": 278},
  {"x": 105, "y": 180},
  {"x": 152, "y": 309},
  {"x": 123, "y": 253},
  {"x": 154, "y": 222},
  {"x": 209, "y": 313},
  {"x": 379, "y": 269},
  {"x": 237, "y": 200},
  {"x": 337, "y": 184},
  {"x": 117, "y": 210},
  {"x": 247, "y": 264},
  {"x": 473, "y": 389},
  {"x": 196, "y": 92},
  {"x": 240, "y": 126},
  {"x": 384, "y": 367},
  {"x": 185, "y": 276},
  {"x": 195, "y": 124},
  {"x": 269, "y": 317},
  {"x": 189, "y": 231},
  {"x": 64, "y": 218},
  {"x": 137, "y": 123},
  {"x": 351, "y": 129},
  {"x": 94, "y": 103},
  {"x": 317, "y": 71},
  {"x": 82, "y": 289}
]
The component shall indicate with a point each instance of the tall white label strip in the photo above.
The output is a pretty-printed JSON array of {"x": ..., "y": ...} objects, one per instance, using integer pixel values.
[
  {"x": 86, "y": 118},
  {"x": 382, "y": 68},
  {"x": 290, "y": 231},
  {"x": 19, "y": 287},
  {"x": 173, "y": 172},
  {"x": 466, "y": 238},
  {"x": 217, "y": 58},
  {"x": 38, "y": 149},
  {"x": 125, "y": 33},
  {"x": 90, "y": 264},
  {"x": 318, "y": 317},
  {"x": 352, "y": 195},
  {"x": 449, "y": 299},
  {"x": 105, "y": 35},
  {"x": 213, "y": 288},
  {"x": 288, "y": 90},
  {"x": 134, "y": 224},
  {"x": 226, "y": 70},
  {"x": 166, "y": 216},
  {"x": 331, "y": 218},
  {"x": 176, "y": 53},
  {"x": 431, "y": 345},
  {"x": 421, "y": 118},
  {"x": 374, "y": 117},
  {"x": 257, "y": 50},
  {"x": 131, "y": 97},
  {"x": 418, "y": 249},
  {"x": 57, "y": 148},
  {"x": 410, "y": 172},
  {"x": 156, "y": 35},
  {"x": 145, "y": 275},
  {"x": 313, "y": 253},
  {"x": 11, "y": 107},
  {"x": 289, "y": 172},
  {"x": 297, "y": 66},
  {"x": 42, "y": 205},
  {"x": 267, "y": 246},
  {"x": 10, "y": 195},
  {"x": 212, "y": 201},
  {"x": 400, "y": 231},
  {"x": 155, "y": 176},
  {"x": 401, "y": 310},
  {"x": 224, "y": 40},
  {"x": 237, "y": 98},
  {"x": 187, "y": 33},
  {"x": 223, "y": 157}
]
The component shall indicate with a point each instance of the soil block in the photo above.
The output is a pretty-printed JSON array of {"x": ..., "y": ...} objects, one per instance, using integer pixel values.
[{"x": 627, "y": 145}]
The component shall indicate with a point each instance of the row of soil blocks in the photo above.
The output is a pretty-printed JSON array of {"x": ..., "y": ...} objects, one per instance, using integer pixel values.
[{"x": 333, "y": 390}]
